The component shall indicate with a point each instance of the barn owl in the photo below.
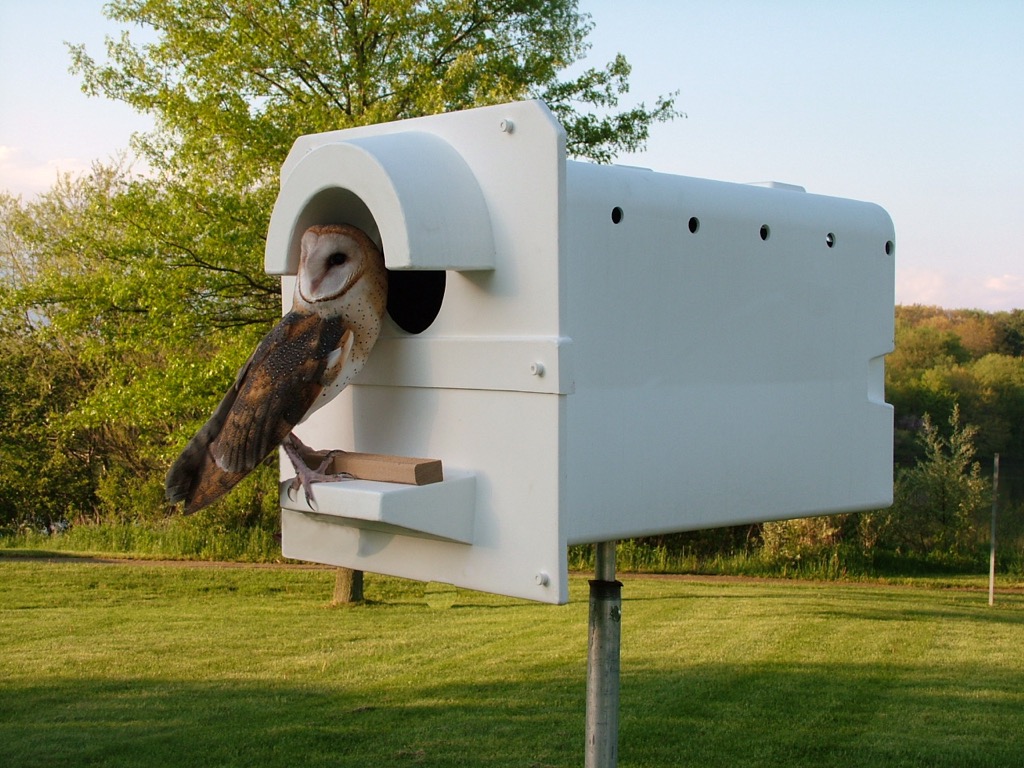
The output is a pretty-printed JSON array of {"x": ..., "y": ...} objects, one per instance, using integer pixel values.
[{"x": 305, "y": 360}]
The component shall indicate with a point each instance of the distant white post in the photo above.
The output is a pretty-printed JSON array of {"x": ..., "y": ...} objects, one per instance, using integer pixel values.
[{"x": 992, "y": 553}]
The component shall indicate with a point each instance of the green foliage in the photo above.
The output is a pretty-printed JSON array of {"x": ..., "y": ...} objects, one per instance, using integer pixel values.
[
  {"x": 965, "y": 358},
  {"x": 790, "y": 542},
  {"x": 233, "y": 83},
  {"x": 45, "y": 468},
  {"x": 203, "y": 537},
  {"x": 107, "y": 350},
  {"x": 936, "y": 503},
  {"x": 45, "y": 473}
]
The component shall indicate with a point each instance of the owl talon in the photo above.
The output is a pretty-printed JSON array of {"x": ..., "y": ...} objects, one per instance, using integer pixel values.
[
  {"x": 304, "y": 475},
  {"x": 328, "y": 459},
  {"x": 310, "y": 499},
  {"x": 307, "y": 490}
]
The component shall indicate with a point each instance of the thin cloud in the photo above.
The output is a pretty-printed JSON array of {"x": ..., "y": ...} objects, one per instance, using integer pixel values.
[
  {"x": 959, "y": 291},
  {"x": 1006, "y": 285},
  {"x": 23, "y": 173}
]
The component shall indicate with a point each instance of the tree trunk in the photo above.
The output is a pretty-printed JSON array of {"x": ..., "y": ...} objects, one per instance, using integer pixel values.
[{"x": 348, "y": 587}]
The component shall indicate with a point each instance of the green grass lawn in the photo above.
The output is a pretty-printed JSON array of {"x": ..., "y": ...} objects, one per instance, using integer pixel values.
[{"x": 143, "y": 665}]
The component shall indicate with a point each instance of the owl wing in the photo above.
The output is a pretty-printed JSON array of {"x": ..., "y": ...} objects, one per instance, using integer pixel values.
[
  {"x": 280, "y": 383},
  {"x": 270, "y": 395}
]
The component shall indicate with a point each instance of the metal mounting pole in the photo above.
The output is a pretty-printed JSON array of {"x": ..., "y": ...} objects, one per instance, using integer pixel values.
[{"x": 603, "y": 662}]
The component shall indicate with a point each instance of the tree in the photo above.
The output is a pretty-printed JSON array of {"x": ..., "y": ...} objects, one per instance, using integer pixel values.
[
  {"x": 1010, "y": 332},
  {"x": 935, "y": 503},
  {"x": 45, "y": 479},
  {"x": 151, "y": 286},
  {"x": 1000, "y": 407},
  {"x": 232, "y": 83}
]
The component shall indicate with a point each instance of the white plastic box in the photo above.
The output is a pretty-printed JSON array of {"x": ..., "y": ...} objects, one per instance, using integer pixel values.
[{"x": 615, "y": 352}]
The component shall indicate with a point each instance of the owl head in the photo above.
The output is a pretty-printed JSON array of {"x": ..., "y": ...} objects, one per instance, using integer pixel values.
[{"x": 336, "y": 260}]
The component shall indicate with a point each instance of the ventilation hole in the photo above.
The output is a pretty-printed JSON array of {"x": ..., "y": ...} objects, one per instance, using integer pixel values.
[
  {"x": 766, "y": 231},
  {"x": 694, "y": 224},
  {"x": 616, "y": 215},
  {"x": 890, "y": 246},
  {"x": 830, "y": 239},
  {"x": 414, "y": 298}
]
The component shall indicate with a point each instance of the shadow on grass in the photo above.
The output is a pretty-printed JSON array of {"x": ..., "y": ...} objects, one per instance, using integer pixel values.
[
  {"x": 716, "y": 715},
  {"x": 823, "y": 715},
  {"x": 924, "y": 614},
  {"x": 43, "y": 554},
  {"x": 151, "y": 723}
]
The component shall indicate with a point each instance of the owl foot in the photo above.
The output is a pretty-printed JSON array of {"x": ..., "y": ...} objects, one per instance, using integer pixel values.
[{"x": 305, "y": 476}]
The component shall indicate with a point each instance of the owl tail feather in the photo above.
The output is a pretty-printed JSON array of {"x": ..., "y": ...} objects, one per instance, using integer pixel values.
[
  {"x": 198, "y": 480},
  {"x": 195, "y": 477}
]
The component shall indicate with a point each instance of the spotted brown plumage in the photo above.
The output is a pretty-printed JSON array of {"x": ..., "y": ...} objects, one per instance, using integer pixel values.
[{"x": 305, "y": 360}]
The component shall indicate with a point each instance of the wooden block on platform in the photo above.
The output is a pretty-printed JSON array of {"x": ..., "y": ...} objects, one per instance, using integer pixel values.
[{"x": 381, "y": 467}]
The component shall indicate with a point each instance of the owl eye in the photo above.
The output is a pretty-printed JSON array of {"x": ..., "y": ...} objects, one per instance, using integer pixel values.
[{"x": 337, "y": 259}]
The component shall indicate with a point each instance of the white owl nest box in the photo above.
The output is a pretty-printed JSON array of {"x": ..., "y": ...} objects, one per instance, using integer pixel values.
[{"x": 593, "y": 352}]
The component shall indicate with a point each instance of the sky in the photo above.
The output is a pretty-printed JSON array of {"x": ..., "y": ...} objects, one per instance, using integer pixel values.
[{"x": 917, "y": 105}]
